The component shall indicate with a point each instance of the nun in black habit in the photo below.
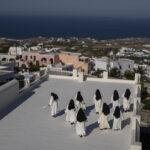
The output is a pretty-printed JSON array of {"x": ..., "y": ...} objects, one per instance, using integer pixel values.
[
  {"x": 53, "y": 103},
  {"x": 127, "y": 99},
  {"x": 79, "y": 101},
  {"x": 80, "y": 124},
  {"x": 117, "y": 119},
  {"x": 103, "y": 117},
  {"x": 98, "y": 102},
  {"x": 71, "y": 112},
  {"x": 115, "y": 99}
]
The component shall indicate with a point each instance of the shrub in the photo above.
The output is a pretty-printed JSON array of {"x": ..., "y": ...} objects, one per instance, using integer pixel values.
[
  {"x": 147, "y": 104},
  {"x": 129, "y": 75},
  {"x": 33, "y": 67},
  {"x": 115, "y": 72},
  {"x": 144, "y": 92},
  {"x": 98, "y": 73}
]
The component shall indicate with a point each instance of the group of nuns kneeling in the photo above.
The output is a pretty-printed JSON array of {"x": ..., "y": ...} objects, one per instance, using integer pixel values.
[{"x": 75, "y": 111}]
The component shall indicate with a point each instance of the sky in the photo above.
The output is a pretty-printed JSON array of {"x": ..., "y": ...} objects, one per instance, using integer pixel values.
[{"x": 102, "y": 8}]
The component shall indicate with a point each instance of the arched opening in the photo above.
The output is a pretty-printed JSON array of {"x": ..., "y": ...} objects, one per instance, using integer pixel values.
[
  {"x": 44, "y": 60},
  {"x": 4, "y": 59},
  {"x": 11, "y": 60},
  {"x": 51, "y": 61}
]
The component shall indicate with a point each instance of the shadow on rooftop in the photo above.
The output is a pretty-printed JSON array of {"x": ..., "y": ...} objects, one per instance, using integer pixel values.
[
  {"x": 110, "y": 105},
  {"x": 131, "y": 107},
  {"x": 91, "y": 127},
  {"x": 110, "y": 123},
  {"x": 126, "y": 122},
  {"x": 89, "y": 109},
  {"x": 60, "y": 113},
  {"x": 121, "y": 108},
  {"x": 21, "y": 99}
]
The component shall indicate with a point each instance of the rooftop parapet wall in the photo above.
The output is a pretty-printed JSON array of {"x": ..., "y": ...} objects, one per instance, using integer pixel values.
[
  {"x": 8, "y": 93},
  {"x": 75, "y": 76},
  {"x": 136, "y": 117}
]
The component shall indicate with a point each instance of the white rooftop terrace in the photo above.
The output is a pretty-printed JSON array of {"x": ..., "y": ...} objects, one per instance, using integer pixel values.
[{"x": 30, "y": 126}]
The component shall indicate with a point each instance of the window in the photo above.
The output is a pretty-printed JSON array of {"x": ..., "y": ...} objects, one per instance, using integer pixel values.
[
  {"x": 51, "y": 61},
  {"x": 26, "y": 57},
  {"x": 31, "y": 57},
  {"x": 120, "y": 67},
  {"x": 34, "y": 58},
  {"x": 129, "y": 66},
  {"x": 44, "y": 60}
]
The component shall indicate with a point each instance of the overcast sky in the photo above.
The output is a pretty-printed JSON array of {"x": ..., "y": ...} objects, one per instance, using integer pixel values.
[{"x": 105, "y": 8}]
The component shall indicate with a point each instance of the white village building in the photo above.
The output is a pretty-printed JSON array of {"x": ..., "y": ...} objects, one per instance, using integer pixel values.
[
  {"x": 14, "y": 51},
  {"x": 121, "y": 64}
]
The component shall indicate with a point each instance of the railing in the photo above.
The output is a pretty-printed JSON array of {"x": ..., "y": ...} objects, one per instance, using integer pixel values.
[
  {"x": 35, "y": 78},
  {"x": 60, "y": 72}
]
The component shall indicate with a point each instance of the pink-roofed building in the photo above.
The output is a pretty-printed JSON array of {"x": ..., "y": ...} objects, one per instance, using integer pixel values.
[{"x": 38, "y": 59}]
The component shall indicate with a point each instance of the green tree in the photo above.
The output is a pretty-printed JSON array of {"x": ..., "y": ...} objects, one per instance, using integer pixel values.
[
  {"x": 141, "y": 71},
  {"x": 128, "y": 74},
  {"x": 147, "y": 104},
  {"x": 98, "y": 73},
  {"x": 33, "y": 67},
  {"x": 4, "y": 50},
  {"x": 144, "y": 92},
  {"x": 115, "y": 72}
]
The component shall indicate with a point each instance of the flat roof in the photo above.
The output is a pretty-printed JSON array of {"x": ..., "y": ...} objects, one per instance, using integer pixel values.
[
  {"x": 69, "y": 53},
  {"x": 30, "y": 126}
]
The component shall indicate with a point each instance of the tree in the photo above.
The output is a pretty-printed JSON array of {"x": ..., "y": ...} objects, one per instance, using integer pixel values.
[
  {"x": 128, "y": 74},
  {"x": 141, "y": 71},
  {"x": 115, "y": 72},
  {"x": 4, "y": 50},
  {"x": 144, "y": 92},
  {"x": 33, "y": 67},
  {"x": 98, "y": 73}
]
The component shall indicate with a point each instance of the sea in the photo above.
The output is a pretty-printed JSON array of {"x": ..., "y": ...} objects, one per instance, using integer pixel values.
[{"x": 100, "y": 28}]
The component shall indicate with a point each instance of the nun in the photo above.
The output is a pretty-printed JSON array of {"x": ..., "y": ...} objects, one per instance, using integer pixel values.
[
  {"x": 103, "y": 117},
  {"x": 53, "y": 103},
  {"x": 117, "y": 119},
  {"x": 71, "y": 112},
  {"x": 115, "y": 99},
  {"x": 79, "y": 101},
  {"x": 80, "y": 123},
  {"x": 127, "y": 98},
  {"x": 98, "y": 102}
]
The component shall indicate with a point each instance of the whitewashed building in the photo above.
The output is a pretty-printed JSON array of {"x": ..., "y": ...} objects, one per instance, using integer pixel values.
[
  {"x": 35, "y": 48},
  {"x": 101, "y": 63},
  {"x": 14, "y": 51},
  {"x": 121, "y": 64}
]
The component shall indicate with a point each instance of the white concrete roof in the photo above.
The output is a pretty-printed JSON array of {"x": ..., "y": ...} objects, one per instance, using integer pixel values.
[{"x": 30, "y": 126}]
